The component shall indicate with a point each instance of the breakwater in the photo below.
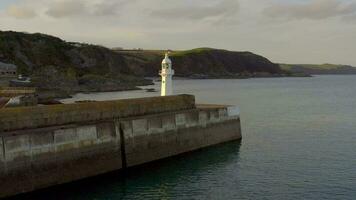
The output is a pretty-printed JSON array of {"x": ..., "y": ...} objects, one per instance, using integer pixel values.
[{"x": 49, "y": 145}]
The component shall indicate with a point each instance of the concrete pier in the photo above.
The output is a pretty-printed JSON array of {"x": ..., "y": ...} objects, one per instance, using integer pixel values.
[{"x": 50, "y": 145}]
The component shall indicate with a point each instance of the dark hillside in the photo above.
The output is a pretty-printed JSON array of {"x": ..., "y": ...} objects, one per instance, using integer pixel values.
[
  {"x": 217, "y": 62},
  {"x": 56, "y": 64},
  {"x": 206, "y": 62}
]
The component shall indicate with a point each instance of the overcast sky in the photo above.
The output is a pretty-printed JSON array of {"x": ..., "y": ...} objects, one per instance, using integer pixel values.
[{"x": 288, "y": 31}]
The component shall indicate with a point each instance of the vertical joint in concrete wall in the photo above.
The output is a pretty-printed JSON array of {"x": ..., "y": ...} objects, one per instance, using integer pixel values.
[
  {"x": 3, "y": 167},
  {"x": 2, "y": 154},
  {"x": 122, "y": 146}
]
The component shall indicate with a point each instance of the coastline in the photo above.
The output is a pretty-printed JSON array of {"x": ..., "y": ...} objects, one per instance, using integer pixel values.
[{"x": 152, "y": 88}]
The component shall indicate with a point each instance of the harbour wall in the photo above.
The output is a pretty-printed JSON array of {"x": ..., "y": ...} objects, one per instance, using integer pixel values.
[
  {"x": 43, "y": 156},
  {"x": 44, "y": 116}
]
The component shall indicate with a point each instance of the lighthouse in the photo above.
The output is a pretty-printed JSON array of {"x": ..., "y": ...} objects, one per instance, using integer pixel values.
[{"x": 166, "y": 73}]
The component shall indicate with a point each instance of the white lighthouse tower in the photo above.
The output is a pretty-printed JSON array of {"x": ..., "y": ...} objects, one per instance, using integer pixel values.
[{"x": 166, "y": 73}]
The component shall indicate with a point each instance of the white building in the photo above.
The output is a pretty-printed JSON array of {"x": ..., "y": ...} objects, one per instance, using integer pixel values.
[
  {"x": 7, "y": 70},
  {"x": 166, "y": 73}
]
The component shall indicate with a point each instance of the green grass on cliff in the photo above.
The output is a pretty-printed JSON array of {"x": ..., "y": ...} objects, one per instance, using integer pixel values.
[
  {"x": 311, "y": 66},
  {"x": 319, "y": 69},
  {"x": 192, "y": 51}
]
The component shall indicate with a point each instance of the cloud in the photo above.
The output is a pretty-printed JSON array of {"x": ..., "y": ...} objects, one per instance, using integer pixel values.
[
  {"x": 106, "y": 8},
  {"x": 198, "y": 11},
  {"x": 20, "y": 12},
  {"x": 69, "y": 8},
  {"x": 350, "y": 18},
  {"x": 110, "y": 8},
  {"x": 154, "y": 9},
  {"x": 313, "y": 9},
  {"x": 61, "y": 9}
]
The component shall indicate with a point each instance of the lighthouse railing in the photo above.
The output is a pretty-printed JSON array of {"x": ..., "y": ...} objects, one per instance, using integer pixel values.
[{"x": 166, "y": 72}]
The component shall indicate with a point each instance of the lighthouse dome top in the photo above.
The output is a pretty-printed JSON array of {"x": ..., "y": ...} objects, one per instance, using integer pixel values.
[{"x": 166, "y": 59}]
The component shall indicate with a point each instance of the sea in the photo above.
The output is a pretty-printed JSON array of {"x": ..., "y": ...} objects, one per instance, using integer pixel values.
[{"x": 299, "y": 142}]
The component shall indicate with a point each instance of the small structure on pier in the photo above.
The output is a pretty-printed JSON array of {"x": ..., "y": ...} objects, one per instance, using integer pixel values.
[
  {"x": 21, "y": 81},
  {"x": 166, "y": 73}
]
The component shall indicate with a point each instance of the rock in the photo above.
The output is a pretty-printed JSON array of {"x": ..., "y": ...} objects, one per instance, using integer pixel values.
[{"x": 151, "y": 90}]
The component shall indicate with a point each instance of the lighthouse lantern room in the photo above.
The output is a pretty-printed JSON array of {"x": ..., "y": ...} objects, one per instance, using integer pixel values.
[{"x": 166, "y": 73}]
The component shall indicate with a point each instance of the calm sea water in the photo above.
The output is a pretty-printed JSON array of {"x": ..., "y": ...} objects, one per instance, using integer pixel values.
[{"x": 299, "y": 142}]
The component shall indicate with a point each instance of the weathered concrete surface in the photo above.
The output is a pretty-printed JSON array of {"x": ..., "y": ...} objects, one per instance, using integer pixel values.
[
  {"x": 44, "y": 116},
  {"x": 45, "y": 157},
  {"x": 41, "y": 157},
  {"x": 149, "y": 147}
]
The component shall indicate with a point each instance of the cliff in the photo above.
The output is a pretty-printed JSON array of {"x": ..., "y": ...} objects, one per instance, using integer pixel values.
[
  {"x": 319, "y": 69},
  {"x": 55, "y": 64},
  {"x": 207, "y": 63}
]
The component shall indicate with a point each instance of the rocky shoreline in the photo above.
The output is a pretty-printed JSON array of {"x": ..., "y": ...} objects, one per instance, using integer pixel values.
[{"x": 52, "y": 96}]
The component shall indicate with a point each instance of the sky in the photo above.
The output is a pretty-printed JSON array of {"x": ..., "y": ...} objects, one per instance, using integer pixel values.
[{"x": 285, "y": 31}]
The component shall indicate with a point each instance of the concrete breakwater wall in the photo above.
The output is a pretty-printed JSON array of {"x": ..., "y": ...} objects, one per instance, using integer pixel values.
[
  {"x": 45, "y": 156},
  {"x": 44, "y": 116}
]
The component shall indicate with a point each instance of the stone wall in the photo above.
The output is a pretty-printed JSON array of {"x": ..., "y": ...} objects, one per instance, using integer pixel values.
[
  {"x": 44, "y": 116},
  {"x": 37, "y": 158},
  {"x": 40, "y": 158},
  {"x": 157, "y": 137}
]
